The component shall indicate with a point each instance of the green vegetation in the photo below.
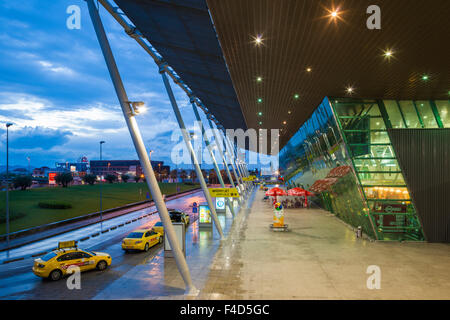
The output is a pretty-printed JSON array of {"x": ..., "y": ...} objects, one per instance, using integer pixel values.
[
  {"x": 64, "y": 179},
  {"x": 84, "y": 199},
  {"x": 54, "y": 205},
  {"x": 22, "y": 182}
]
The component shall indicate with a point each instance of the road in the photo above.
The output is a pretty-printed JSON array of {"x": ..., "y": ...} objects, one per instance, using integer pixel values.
[{"x": 18, "y": 282}]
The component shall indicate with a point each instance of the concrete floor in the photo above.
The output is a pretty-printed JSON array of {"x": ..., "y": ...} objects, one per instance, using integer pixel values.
[{"x": 320, "y": 258}]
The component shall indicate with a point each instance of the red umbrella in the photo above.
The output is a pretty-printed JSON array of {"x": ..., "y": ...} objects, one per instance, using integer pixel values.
[
  {"x": 297, "y": 192},
  {"x": 274, "y": 192},
  {"x": 300, "y": 192}
]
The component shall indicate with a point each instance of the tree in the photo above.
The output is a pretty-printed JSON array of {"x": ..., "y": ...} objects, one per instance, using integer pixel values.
[
  {"x": 136, "y": 179},
  {"x": 193, "y": 175},
  {"x": 183, "y": 175},
  {"x": 173, "y": 174},
  {"x": 90, "y": 179},
  {"x": 110, "y": 178},
  {"x": 64, "y": 179},
  {"x": 22, "y": 182},
  {"x": 212, "y": 177},
  {"x": 164, "y": 173},
  {"x": 125, "y": 178}
]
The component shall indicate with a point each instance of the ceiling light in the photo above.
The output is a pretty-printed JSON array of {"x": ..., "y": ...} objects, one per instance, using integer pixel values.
[
  {"x": 289, "y": 112},
  {"x": 259, "y": 113},
  {"x": 258, "y": 40},
  {"x": 259, "y": 100},
  {"x": 260, "y": 123},
  {"x": 259, "y": 79},
  {"x": 388, "y": 53},
  {"x": 308, "y": 69},
  {"x": 296, "y": 96},
  {"x": 284, "y": 122},
  {"x": 425, "y": 77},
  {"x": 350, "y": 90}
]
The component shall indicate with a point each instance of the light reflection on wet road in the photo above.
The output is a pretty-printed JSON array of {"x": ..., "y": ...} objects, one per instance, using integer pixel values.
[{"x": 18, "y": 282}]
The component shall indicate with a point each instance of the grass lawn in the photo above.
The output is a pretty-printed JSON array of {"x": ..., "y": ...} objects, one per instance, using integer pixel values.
[{"x": 84, "y": 199}]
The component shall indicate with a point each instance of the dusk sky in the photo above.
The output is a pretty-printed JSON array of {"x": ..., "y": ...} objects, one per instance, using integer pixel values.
[{"x": 56, "y": 90}]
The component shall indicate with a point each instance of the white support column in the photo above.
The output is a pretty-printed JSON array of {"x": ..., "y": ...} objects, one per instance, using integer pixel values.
[
  {"x": 232, "y": 157},
  {"x": 211, "y": 152},
  {"x": 187, "y": 140},
  {"x": 140, "y": 148},
  {"x": 222, "y": 155}
]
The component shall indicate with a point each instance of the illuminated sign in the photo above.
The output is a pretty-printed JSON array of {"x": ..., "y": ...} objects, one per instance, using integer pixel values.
[
  {"x": 205, "y": 215},
  {"x": 220, "y": 203},
  {"x": 223, "y": 192},
  {"x": 51, "y": 178},
  {"x": 67, "y": 244}
]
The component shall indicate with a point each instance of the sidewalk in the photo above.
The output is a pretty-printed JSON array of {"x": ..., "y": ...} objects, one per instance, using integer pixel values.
[
  {"x": 21, "y": 241},
  {"x": 319, "y": 258}
]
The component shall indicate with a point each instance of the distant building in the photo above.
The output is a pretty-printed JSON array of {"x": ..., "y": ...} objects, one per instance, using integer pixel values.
[
  {"x": 82, "y": 165},
  {"x": 118, "y": 167}
]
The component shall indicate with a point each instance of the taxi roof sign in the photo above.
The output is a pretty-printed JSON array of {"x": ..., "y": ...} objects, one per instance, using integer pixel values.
[{"x": 67, "y": 244}]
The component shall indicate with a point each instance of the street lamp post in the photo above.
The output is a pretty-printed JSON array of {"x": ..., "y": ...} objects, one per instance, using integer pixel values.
[
  {"x": 7, "y": 183},
  {"x": 101, "y": 183}
]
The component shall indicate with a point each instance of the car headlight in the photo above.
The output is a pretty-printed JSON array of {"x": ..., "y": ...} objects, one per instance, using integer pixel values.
[{"x": 137, "y": 242}]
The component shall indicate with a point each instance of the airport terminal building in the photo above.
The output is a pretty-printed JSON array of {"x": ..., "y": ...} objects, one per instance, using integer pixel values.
[{"x": 377, "y": 164}]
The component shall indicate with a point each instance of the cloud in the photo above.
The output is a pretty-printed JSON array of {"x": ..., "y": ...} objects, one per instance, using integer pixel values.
[
  {"x": 49, "y": 66},
  {"x": 38, "y": 138}
]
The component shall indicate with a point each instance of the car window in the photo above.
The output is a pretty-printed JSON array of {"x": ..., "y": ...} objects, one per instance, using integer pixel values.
[
  {"x": 158, "y": 224},
  {"x": 152, "y": 232},
  {"x": 65, "y": 257},
  {"x": 77, "y": 255},
  {"x": 148, "y": 234},
  {"x": 48, "y": 256},
  {"x": 135, "y": 235},
  {"x": 85, "y": 255}
]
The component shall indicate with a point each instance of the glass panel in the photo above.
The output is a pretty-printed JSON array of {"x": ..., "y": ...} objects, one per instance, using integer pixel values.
[
  {"x": 379, "y": 137},
  {"x": 396, "y": 193},
  {"x": 394, "y": 114},
  {"x": 379, "y": 152},
  {"x": 376, "y": 165},
  {"x": 381, "y": 179},
  {"x": 377, "y": 124},
  {"x": 411, "y": 118},
  {"x": 426, "y": 113},
  {"x": 357, "y": 109},
  {"x": 444, "y": 112}
]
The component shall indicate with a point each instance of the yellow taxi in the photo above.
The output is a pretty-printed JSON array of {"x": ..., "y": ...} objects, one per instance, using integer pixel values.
[
  {"x": 141, "y": 239},
  {"x": 158, "y": 227},
  {"x": 55, "y": 264},
  {"x": 179, "y": 216}
]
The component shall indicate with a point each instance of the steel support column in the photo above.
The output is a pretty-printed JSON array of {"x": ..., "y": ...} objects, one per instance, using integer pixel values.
[
  {"x": 187, "y": 140},
  {"x": 216, "y": 138},
  {"x": 140, "y": 148},
  {"x": 211, "y": 153},
  {"x": 232, "y": 156}
]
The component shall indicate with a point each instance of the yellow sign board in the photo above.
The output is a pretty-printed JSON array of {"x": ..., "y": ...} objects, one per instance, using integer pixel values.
[
  {"x": 67, "y": 244},
  {"x": 250, "y": 178},
  {"x": 224, "y": 192}
]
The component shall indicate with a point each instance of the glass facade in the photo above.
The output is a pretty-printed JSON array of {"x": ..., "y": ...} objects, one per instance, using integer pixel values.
[{"x": 353, "y": 132}]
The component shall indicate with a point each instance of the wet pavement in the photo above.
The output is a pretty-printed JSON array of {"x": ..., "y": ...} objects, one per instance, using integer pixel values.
[
  {"x": 18, "y": 282},
  {"x": 320, "y": 258}
]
